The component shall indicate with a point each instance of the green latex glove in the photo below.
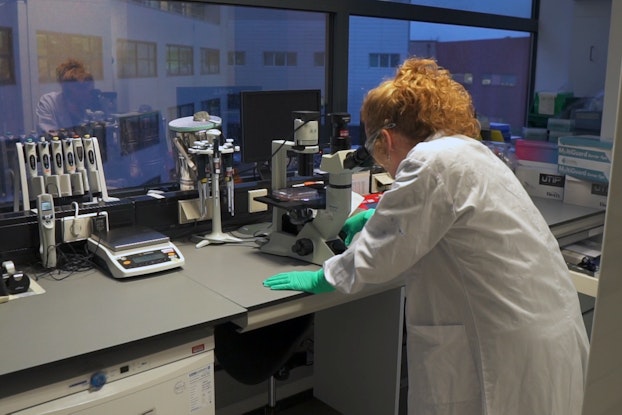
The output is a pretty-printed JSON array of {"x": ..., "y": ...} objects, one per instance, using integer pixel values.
[
  {"x": 354, "y": 224},
  {"x": 309, "y": 281}
]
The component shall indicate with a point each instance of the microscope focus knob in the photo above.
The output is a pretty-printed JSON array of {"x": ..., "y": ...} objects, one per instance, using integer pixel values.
[{"x": 303, "y": 247}]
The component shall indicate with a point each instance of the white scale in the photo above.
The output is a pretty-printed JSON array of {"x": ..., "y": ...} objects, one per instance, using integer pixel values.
[{"x": 132, "y": 252}]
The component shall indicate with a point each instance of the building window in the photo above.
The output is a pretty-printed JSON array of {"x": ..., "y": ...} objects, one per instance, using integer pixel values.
[
  {"x": 52, "y": 49},
  {"x": 212, "y": 106},
  {"x": 319, "y": 58},
  {"x": 136, "y": 59},
  {"x": 210, "y": 61},
  {"x": 179, "y": 60},
  {"x": 233, "y": 101},
  {"x": 463, "y": 78},
  {"x": 236, "y": 58},
  {"x": 384, "y": 60},
  {"x": 491, "y": 79},
  {"x": 280, "y": 58},
  {"x": 7, "y": 66}
]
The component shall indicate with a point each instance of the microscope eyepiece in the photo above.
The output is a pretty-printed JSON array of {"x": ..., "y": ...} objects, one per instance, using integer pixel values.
[{"x": 358, "y": 158}]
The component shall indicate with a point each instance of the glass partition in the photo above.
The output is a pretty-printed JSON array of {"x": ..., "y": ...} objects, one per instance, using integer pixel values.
[{"x": 121, "y": 70}]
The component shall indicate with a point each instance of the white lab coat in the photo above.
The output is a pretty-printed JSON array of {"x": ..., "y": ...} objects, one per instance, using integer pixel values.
[{"x": 493, "y": 320}]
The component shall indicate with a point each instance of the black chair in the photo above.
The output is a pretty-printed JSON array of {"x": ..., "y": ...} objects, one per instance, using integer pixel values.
[{"x": 262, "y": 354}]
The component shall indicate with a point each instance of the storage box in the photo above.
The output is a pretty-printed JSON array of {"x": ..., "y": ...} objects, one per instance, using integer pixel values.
[
  {"x": 587, "y": 120},
  {"x": 540, "y": 179},
  {"x": 584, "y": 193},
  {"x": 537, "y": 134},
  {"x": 504, "y": 130},
  {"x": 561, "y": 124},
  {"x": 585, "y": 157},
  {"x": 532, "y": 150},
  {"x": 551, "y": 103}
]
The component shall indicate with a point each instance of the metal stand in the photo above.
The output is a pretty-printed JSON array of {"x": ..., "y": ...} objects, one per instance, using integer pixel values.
[{"x": 211, "y": 151}]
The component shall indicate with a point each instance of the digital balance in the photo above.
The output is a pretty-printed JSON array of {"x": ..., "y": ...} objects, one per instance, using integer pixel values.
[{"x": 134, "y": 251}]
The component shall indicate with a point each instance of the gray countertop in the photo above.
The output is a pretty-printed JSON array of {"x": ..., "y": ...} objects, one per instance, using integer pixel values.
[{"x": 89, "y": 311}]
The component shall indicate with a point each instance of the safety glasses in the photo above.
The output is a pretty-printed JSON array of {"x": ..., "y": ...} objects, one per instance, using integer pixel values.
[{"x": 369, "y": 143}]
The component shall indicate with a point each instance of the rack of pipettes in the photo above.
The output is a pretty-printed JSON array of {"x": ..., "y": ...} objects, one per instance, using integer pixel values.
[{"x": 211, "y": 154}]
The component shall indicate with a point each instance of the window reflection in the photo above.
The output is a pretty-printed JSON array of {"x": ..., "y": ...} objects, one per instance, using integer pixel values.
[{"x": 151, "y": 62}]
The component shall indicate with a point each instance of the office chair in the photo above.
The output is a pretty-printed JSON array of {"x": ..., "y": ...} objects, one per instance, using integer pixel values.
[{"x": 261, "y": 354}]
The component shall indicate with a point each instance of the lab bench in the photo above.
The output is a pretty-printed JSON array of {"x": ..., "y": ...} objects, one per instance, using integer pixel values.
[
  {"x": 569, "y": 224},
  {"x": 89, "y": 312}
]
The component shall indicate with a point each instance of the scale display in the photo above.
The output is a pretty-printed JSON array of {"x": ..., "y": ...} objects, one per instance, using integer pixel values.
[{"x": 142, "y": 259}]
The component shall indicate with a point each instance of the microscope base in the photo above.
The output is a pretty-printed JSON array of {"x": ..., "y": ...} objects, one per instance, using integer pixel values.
[
  {"x": 216, "y": 238},
  {"x": 281, "y": 244}
]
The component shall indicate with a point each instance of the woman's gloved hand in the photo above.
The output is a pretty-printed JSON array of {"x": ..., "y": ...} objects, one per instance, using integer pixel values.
[
  {"x": 309, "y": 281},
  {"x": 354, "y": 224}
]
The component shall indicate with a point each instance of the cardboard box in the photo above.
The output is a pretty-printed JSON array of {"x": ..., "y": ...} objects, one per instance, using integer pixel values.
[
  {"x": 584, "y": 193},
  {"x": 585, "y": 157},
  {"x": 540, "y": 179}
]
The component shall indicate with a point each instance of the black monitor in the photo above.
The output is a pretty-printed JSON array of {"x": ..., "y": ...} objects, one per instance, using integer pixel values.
[{"x": 267, "y": 115}]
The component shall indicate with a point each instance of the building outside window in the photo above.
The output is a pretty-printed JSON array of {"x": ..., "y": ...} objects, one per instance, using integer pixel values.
[
  {"x": 7, "y": 67},
  {"x": 210, "y": 61},
  {"x": 236, "y": 58},
  {"x": 136, "y": 59},
  {"x": 179, "y": 60}
]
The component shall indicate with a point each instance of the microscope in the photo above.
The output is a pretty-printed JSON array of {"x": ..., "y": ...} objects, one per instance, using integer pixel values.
[{"x": 307, "y": 228}]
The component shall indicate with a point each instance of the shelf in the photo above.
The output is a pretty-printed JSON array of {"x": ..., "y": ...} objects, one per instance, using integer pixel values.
[{"x": 584, "y": 283}]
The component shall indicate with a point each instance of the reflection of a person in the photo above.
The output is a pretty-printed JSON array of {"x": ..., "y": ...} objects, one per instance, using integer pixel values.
[{"x": 67, "y": 108}]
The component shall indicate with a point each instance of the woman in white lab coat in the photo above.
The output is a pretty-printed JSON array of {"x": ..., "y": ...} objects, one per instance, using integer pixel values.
[{"x": 493, "y": 320}]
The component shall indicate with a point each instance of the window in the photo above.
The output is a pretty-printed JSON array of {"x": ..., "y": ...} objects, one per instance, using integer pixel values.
[
  {"x": 179, "y": 60},
  {"x": 7, "y": 67},
  {"x": 142, "y": 54},
  {"x": 498, "y": 88},
  {"x": 384, "y": 60},
  {"x": 210, "y": 61},
  {"x": 319, "y": 58},
  {"x": 280, "y": 58},
  {"x": 136, "y": 59},
  {"x": 236, "y": 58},
  {"x": 54, "y": 48},
  {"x": 233, "y": 101},
  {"x": 499, "y": 80},
  {"x": 212, "y": 106}
]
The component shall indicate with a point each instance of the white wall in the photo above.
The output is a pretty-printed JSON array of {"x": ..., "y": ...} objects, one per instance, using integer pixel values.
[{"x": 572, "y": 46}]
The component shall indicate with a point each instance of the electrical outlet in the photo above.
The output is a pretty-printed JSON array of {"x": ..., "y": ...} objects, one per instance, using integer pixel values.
[
  {"x": 79, "y": 228},
  {"x": 253, "y": 205}
]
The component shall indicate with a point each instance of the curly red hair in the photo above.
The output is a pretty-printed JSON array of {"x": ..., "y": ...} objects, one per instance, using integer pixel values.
[
  {"x": 72, "y": 70},
  {"x": 421, "y": 100}
]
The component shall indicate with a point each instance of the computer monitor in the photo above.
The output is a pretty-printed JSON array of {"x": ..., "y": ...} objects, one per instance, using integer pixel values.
[{"x": 267, "y": 115}]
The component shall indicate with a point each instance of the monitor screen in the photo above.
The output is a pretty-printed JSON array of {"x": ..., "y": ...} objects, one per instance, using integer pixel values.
[{"x": 267, "y": 115}]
